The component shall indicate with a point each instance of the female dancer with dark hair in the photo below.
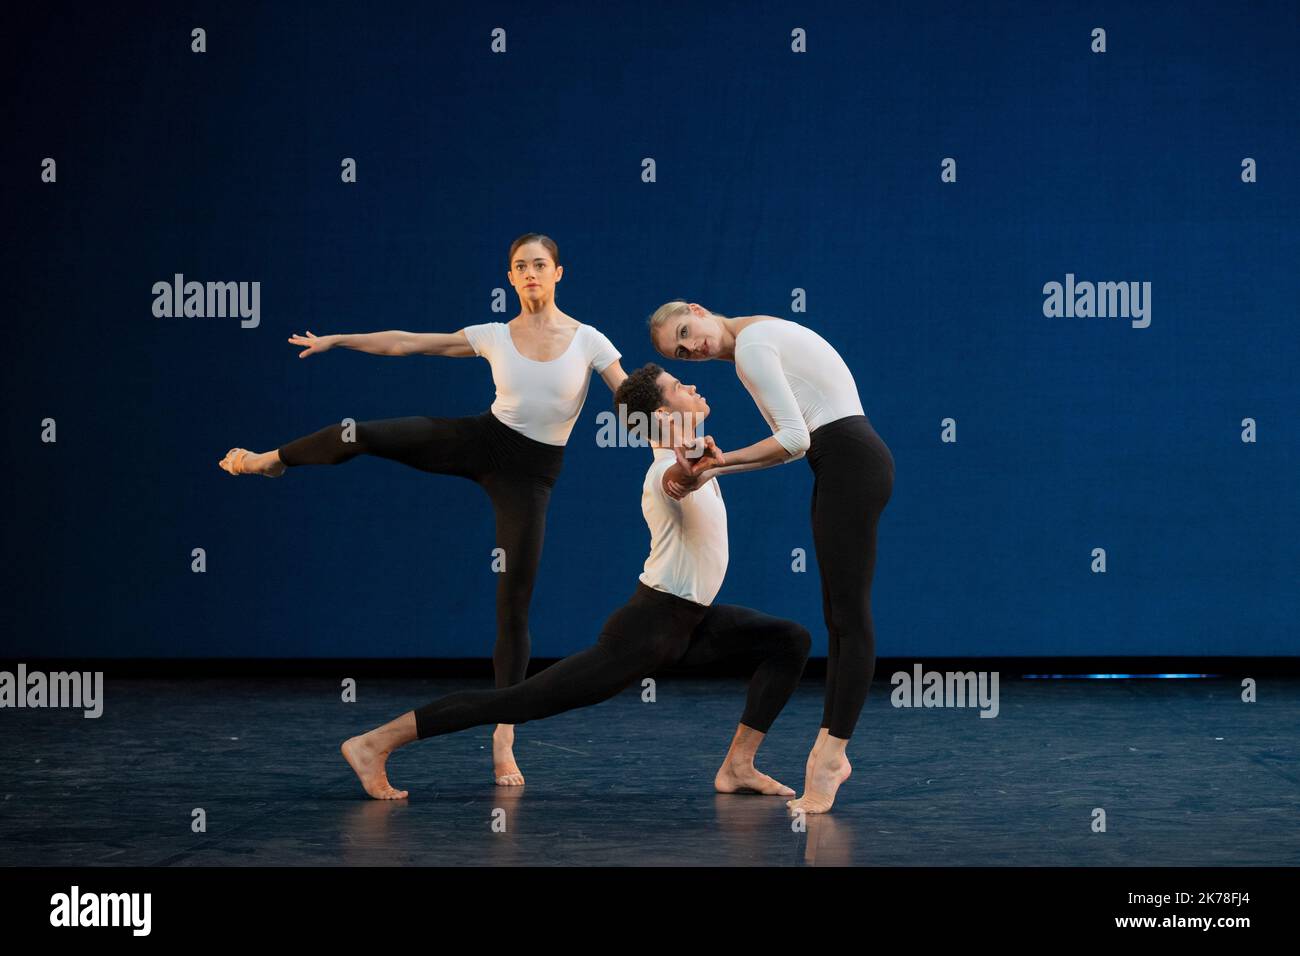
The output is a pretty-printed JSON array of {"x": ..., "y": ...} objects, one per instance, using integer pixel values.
[
  {"x": 809, "y": 399},
  {"x": 541, "y": 362}
]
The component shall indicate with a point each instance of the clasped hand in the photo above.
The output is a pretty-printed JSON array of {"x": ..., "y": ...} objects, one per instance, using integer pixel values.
[{"x": 689, "y": 473}]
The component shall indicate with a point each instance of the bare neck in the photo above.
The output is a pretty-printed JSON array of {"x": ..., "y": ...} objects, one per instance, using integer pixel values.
[
  {"x": 677, "y": 439},
  {"x": 540, "y": 315},
  {"x": 732, "y": 327}
]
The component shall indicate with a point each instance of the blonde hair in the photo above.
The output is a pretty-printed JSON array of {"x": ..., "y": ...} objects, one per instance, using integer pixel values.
[{"x": 670, "y": 310}]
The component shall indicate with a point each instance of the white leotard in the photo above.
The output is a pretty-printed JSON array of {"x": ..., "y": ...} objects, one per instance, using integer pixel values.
[
  {"x": 796, "y": 378},
  {"x": 541, "y": 399},
  {"x": 688, "y": 538}
]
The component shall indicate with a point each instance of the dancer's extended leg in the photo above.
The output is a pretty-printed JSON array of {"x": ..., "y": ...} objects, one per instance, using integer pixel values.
[
  {"x": 588, "y": 677},
  {"x": 585, "y": 678},
  {"x": 444, "y": 446},
  {"x": 518, "y": 474},
  {"x": 650, "y": 631}
]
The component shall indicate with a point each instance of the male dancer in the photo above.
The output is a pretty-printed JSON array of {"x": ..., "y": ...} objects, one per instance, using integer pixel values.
[{"x": 669, "y": 619}]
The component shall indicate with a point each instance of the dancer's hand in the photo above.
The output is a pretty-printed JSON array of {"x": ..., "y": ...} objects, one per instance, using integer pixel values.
[
  {"x": 708, "y": 455},
  {"x": 712, "y": 453},
  {"x": 688, "y": 474},
  {"x": 679, "y": 482},
  {"x": 313, "y": 343}
]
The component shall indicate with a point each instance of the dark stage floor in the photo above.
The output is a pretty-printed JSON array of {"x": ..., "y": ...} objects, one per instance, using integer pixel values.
[{"x": 1187, "y": 774}]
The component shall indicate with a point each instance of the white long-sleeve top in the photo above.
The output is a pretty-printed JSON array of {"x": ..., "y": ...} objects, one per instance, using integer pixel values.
[
  {"x": 797, "y": 380},
  {"x": 541, "y": 399}
]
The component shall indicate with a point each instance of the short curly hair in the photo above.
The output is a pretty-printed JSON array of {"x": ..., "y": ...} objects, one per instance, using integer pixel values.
[{"x": 640, "y": 392}]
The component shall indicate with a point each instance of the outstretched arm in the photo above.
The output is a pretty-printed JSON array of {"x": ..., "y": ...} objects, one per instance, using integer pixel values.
[
  {"x": 395, "y": 342},
  {"x": 764, "y": 454},
  {"x": 759, "y": 368},
  {"x": 761, "y": 455}
]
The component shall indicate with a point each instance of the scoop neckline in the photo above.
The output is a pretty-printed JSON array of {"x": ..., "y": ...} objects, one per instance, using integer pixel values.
[{"x": 566, "y": 351}]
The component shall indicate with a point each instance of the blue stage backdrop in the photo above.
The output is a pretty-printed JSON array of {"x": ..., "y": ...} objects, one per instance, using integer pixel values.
[{"x": 905, "y": 178}]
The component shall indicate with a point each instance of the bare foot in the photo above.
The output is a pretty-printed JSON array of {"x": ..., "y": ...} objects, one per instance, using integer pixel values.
[
  {"x": 823, "y": 781},
  {"x": 504, "y": 769},
  {"x": 743, "y": 777},
  {"x": 816, "y": 750},
  {"x": 368, "y": 762},
  {"x": 241, "y": 461}
]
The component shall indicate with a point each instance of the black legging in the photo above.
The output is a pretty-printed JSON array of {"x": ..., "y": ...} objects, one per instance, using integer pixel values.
[
  {"x": 853, "y": 473},
  {"x": 654, "y": 629},
  {"x": 517, "y": 472}
]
